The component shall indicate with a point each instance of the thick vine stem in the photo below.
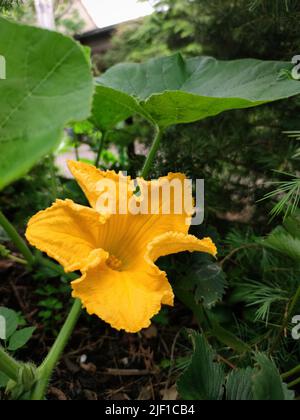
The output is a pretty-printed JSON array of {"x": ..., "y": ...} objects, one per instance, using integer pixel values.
[
  {"x": 45, "y": 371},
  {"x": 9, "y": 366},
  {"x": 16, "y": 239}
]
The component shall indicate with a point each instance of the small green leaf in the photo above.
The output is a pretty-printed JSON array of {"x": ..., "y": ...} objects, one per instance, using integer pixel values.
[
  {"x": 20, "y": 338},
  {"x": 203, "y": 379},
  {"x": 10, "y": 323},
  {"x": 208, "y": 282}
]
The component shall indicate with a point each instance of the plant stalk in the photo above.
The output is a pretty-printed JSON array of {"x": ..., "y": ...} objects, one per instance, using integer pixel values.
[
  {"x": 46, "y": 369},
  {"x": 100, "y": 148},
  {"x": 294, "y": 383},
  {"x": 16, "y": 239},
  {"x": 291, "y": 372},
  {"x": 9, "y": 365},
  {"x": 152, "y": 153}
]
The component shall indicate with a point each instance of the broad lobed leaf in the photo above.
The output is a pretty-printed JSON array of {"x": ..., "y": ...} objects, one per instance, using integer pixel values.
[
  {"x": 172, "y": 90},
  {"x": 48, "y": 83}
]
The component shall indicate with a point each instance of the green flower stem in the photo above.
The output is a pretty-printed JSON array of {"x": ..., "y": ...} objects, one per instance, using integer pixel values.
[
  {"x": 291, "y": 372},
  {"x": 100, "y": 148},
  {"x": 152, "y": 153},
  {"x": 46, "y": 369},
  {"x": 9, "y": 366},
  {"x": 17, "y": 260},
  {"x": 53, "y": 177},
  {"x": 293, "y": 384},
  {"x": 16, "y": 238}
]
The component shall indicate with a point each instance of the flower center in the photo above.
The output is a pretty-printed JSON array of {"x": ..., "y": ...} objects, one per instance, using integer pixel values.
[{"x": 114, "y": 263}]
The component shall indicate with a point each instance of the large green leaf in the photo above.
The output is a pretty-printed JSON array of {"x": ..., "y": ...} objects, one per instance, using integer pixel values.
[
  {"x": 48, "y": 83},
  {"x": 204, "y": 378},
  {"x": 173, "y": 90}
]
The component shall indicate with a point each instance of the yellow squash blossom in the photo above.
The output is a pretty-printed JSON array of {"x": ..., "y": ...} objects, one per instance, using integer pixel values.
[{"x": 116, "y": 253}]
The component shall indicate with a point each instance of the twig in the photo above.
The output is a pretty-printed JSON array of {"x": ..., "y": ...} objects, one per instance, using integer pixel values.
[
  {"x": 236, "y": 250},
  {"x": 126, "y": 372}
]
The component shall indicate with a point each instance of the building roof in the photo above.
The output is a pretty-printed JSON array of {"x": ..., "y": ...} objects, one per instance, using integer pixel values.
[{"x": 96, "y": 33}]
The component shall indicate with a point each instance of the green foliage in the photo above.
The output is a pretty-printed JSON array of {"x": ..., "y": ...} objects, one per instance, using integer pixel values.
[
  {"x": 238, "y": 151},
  {"x": 8, "y": 4},
  {"x": 67, "y": 18},
  {"x": 286, "y": 239},
  {"x": 267, "y": 383},
  {"x": 241, "y": 28},
  {"x": 190, "y": 90},
  {"x": 26, "y": 101},
  {"x": 20, "y": 338},
  {"x": 4, "y": 252},
  {"x": 289, "y": 193},
  {"x": 248, "y": 309},
  {"x": 205, "y": 378},
  {"x": 14, "y": 338},
  {"x": 205, "y": 279},
  {"x": 238, "y": 386}
]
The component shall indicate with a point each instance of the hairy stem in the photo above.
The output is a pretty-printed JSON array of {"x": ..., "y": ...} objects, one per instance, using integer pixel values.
[
  {"x": 46, "y": 369},
  {"x": 9, "y": 365}
]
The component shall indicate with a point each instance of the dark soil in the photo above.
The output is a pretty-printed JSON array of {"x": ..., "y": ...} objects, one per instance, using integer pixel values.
[{"x": 99, "y": 362}]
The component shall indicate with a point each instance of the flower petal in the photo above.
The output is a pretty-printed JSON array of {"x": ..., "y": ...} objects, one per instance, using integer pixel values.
[
  {"x": 89, "y": 179},
  {"x": 67, "y": 232},
  {"x": 126, "y": 300},
  {"x": 171, "y": 193},
  {"x": 174, "y": 242}
]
